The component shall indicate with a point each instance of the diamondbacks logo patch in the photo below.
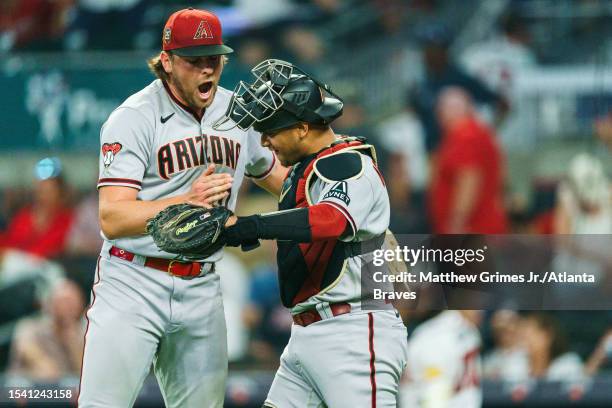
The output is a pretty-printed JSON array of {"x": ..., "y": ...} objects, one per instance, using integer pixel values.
[
  {"x": 340, "y": 192},
  {"x": 203, "y": 31},
  {"x": 109, "y": 150}
]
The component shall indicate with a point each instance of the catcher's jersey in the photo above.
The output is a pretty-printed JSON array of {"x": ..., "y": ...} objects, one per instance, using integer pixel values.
[
  {"x": 444, "y": 368},
  {"x": 156, "y": 145},
  {"x": 312, "y": 273}
]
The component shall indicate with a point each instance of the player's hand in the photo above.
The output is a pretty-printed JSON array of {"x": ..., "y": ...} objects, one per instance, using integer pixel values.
[
  {"x": 234, "y": 238},
  {"x": 191, "y": 231},
  {"x": 231, "y": 221},
  {"x": 209, "y": 188}
]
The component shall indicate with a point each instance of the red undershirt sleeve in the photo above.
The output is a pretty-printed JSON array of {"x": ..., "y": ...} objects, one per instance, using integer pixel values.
[{"x": 326, "y": 222}]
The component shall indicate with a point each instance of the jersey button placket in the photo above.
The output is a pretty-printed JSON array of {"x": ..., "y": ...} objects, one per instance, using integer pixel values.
[{"x": 203, "y": 160}]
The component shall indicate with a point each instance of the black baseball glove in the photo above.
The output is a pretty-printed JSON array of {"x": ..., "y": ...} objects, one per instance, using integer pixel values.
[{"x": 191, "y": 231}]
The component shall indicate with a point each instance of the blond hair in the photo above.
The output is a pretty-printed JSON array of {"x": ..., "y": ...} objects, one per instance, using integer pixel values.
[{"x": 157, "y": 68}]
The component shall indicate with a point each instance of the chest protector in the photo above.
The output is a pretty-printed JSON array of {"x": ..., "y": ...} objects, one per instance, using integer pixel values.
[{"x": 306, "y": 269}]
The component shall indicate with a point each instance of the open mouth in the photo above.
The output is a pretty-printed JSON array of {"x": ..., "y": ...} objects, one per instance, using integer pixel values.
[{"x": 205, "y": 90}]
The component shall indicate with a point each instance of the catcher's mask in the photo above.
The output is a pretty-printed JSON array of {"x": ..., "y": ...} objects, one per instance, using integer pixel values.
[{"x": 281, "y": 96}]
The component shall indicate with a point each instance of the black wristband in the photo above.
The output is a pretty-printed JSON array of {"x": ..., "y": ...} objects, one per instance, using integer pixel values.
[
  {"x": 290, "y": 225},
  {"x": 243, "y": 231}
]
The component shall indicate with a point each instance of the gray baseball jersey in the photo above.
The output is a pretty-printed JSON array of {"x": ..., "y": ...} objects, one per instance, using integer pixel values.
[
  {"x": 363, "y": 200},
  {"x": 139, "y": 316},
  {"x": 350, "y": 360},
  {"x": 153, "y": 144}
]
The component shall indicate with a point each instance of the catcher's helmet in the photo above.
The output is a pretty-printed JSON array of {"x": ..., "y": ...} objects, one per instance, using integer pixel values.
[{"x": 281, "y": 96}]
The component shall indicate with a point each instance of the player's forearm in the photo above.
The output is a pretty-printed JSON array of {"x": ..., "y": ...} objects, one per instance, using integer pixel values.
[
  {"x": 128, "y": 218},
  {"x": 315, "y": 223},
  {"x": 123, "y": 215}
]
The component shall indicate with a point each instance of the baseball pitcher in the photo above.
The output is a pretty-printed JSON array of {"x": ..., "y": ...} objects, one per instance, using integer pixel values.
[{"x": 150, "y": 307}]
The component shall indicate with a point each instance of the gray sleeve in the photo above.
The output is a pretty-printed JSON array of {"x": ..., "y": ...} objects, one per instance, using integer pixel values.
[
  {"x": 260, "y": 160},
  {"x": 125, "y": 142},
  {"x": 363, "y": 200}
]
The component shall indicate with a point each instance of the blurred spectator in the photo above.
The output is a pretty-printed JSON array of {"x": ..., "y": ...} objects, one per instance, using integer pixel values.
[
  {"x": 3, "y": 210},
  {"x": 84, "y": 235},
  {"x": 42, "y": 228},
  {"x": 444, "y": 367},
  {"x": 269, "y": 321},
  {"x": 498, "y": 62},
  {"x": 584, "y": 208},
  {"x": 441, "y": 72},
  {"x": 403, "y": 138},
  {"x": 306, "y": 47},
  {"x": 49, "y": 347},
  {"x": 392, "y": 15},
  {"x": 253, "y": 51},
  {"x": 353, "y": 120},
  {"x": 542, "y": 211},
  {"x": 508, "y": 360},
  {"x": 28, "y": 23},
  {"x": 584, "y": 203},
  {"x": 17, "y": 266},
  {"x": 11, "y": 200},
  {"x": 466, "y": 192},
  {"x": 603, "y": 129},
  {"x": 262, "y": 12},
  {"x": 547, "y": 349},
  {"x": 327, "y": 6},
  {"x": 106, "y": 24},
  {"x": 602, "y": 355}
]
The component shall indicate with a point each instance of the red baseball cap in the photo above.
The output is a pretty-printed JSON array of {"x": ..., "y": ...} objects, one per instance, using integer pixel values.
[{"x": 194, "y": 33}]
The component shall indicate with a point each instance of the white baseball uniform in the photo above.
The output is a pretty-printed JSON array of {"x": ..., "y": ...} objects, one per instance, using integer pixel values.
[
  {"x": 353, "y": 359},
  {"x": 140, "y": 316},
  {"x": 444, "y": 367}
]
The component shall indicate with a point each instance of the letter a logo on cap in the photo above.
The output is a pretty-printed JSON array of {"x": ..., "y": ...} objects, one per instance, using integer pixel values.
[{"x": 203, "y": 31}]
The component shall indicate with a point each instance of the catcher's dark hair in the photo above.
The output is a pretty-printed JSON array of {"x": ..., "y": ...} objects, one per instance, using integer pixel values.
[
  {"x": 312, "y": 126},
  {"x": 316, "y": 126}
]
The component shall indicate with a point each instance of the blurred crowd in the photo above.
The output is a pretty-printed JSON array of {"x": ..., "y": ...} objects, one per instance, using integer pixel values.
[
  {"x": 74, "y": 25},
  {"x": 442, "y": 156}
]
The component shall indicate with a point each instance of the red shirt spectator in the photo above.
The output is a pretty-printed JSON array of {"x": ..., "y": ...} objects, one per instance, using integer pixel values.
[
  {"x": 544, "y": 223},
  {"x": 467, "y": 145},
  {"x": 42, "y": 228},
  {"x": 46, "y": 240},
  {"x": 23, "y": 21}
]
